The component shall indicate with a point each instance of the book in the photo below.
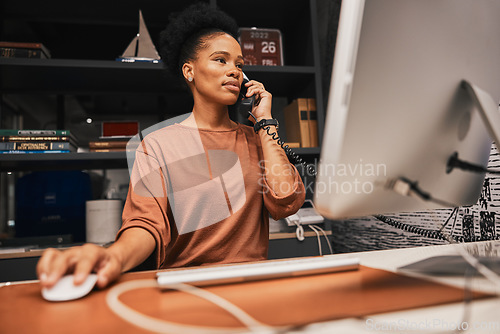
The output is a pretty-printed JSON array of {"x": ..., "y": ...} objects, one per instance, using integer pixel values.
[
  {"x": 28, "y": 152},
  {"x": 297, "y": 122},
  {"x": 123, "y": 149},
  {"x": 33, "y": 138},
  {"x": 16, "y": 132},
  {"x": 292, "y": 144},
  {"x": 44, "y": 52},
  {"x": 119, "y": 129},
  {"x": 21, "y": 53},
  {"x": 313, "y": 123},
  {"x": 34, "y": 146},
  {"x": 108, "y": 144}
]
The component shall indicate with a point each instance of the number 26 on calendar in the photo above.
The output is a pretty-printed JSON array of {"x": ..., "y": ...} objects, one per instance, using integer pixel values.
[{"x": 268, "y": 47}]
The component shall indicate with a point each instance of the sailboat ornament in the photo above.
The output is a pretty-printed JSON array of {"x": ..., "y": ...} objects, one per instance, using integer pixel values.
[{"x": 141, "y": 49}]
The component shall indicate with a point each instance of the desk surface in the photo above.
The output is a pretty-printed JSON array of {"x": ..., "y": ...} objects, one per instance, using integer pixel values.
[
  {"x": 349, "y": 302},
  {"x": 20, "y": 252}
]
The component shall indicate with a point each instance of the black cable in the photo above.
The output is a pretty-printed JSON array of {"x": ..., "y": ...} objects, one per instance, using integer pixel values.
[
  {"x": 455, "y": 211},
  {"x": 429, "y": 233},
  {"x": 410, "y": 228},
  {"x": 455, "y": 162},
  {"x": 310, "y": 168}
]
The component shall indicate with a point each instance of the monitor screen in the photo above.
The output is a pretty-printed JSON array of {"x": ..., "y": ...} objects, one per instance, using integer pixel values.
[{"x": 403, "y": 100}]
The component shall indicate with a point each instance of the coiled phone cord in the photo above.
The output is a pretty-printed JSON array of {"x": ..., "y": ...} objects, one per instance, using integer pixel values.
[
  {"x": 410, "y": 228},
  {"x": 296, "y": 158}
]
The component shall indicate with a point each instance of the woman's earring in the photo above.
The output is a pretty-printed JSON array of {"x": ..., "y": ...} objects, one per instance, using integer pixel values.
[{"x": 190, "y": 79}]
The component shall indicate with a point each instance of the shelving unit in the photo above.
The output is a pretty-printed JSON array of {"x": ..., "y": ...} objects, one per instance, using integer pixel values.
[
  {"x": 300, "y": 77},
  {"x": 86, "y": 37},
  {"x": 67, "y": 76},
  {"x": 91, "y": 160},
  {"x": 62, "y": 161}
]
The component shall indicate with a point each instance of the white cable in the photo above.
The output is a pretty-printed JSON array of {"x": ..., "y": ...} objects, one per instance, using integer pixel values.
[
  {"x": 319, "y": 238},
  {"x": 163, "y": 326},
  {"x": 299, "y": 232},
  {"x": 326, "y": 238}
]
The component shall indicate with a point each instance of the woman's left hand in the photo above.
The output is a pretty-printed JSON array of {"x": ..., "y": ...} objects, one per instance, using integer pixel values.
[{"x": 263, "y": 100}]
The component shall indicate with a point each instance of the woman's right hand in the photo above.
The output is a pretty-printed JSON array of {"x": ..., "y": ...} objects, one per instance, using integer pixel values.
[{"x": 80, "y": 261}]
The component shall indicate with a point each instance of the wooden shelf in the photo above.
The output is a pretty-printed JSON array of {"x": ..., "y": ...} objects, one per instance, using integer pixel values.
[
  {"x": 62, "y": 161},
  {"x": 100, "y": 81},
  {"x": 67, "y": 76},
  {"x": 78, "y": 161}
]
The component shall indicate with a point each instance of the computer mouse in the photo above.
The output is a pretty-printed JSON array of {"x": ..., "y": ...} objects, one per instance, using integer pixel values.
[{"x": 65, "y": 289}]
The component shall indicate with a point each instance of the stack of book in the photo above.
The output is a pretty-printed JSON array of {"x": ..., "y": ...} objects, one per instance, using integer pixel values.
[
  {"x": 301, "y": 123},
  {"x": 36, "y": 141},
  {"x": 108, "y": 145},
  {"x": 23, "y": 50},
  {"x": 114, "y": 136}
]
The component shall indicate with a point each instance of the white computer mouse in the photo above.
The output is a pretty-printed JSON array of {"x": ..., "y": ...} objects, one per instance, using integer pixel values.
[{"x": 65, "y": 289}]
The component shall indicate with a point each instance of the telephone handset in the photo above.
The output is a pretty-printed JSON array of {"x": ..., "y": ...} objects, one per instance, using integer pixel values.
[{"x": 245, "y": 105}]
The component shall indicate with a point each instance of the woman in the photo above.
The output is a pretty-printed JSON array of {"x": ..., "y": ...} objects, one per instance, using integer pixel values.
[{"x": 201, "y": 191}]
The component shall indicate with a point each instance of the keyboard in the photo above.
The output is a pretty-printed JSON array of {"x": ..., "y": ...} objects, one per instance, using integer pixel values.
[{"x": 233, "y": 273}]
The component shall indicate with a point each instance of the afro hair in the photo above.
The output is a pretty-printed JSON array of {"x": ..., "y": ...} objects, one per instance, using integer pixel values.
[{"x": 183, "y": 36}]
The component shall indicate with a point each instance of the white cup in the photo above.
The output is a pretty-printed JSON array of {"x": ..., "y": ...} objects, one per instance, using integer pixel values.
[{"x": 103, "y": 220}]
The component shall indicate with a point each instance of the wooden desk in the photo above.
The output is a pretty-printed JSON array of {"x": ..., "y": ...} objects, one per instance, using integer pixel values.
[
  {"x": 327, "y": 302},
  {"x": 21, "y": 265}
]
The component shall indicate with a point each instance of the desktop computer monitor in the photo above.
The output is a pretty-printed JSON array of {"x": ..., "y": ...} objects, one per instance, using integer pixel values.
[{"x": 413, "y": 83}]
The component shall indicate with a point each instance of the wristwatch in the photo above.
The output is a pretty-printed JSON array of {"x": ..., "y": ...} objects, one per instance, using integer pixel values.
[{"x": 264, "y": 122}]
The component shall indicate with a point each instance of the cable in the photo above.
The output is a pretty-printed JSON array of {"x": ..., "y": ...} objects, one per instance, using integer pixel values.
[
  {"x": 427, "y": 233},
  {"x": 326, "y": 238},
  {"x": 299, "y": 231},
  {"x": 310, "y": 168},
  {"x": 454, "y": 224},
  {"x": 455, "y": 162},
  {"x": 319, "y": 239},
  {"x": 453, "y": 213},
  {"x": 410, "y": 228},
  {"x": 163, "y": 326},
  {"x": 406, "y": 187}
]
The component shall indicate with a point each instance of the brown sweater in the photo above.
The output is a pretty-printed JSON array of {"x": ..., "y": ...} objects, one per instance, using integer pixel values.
[{"x": 203, "y": 197}]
